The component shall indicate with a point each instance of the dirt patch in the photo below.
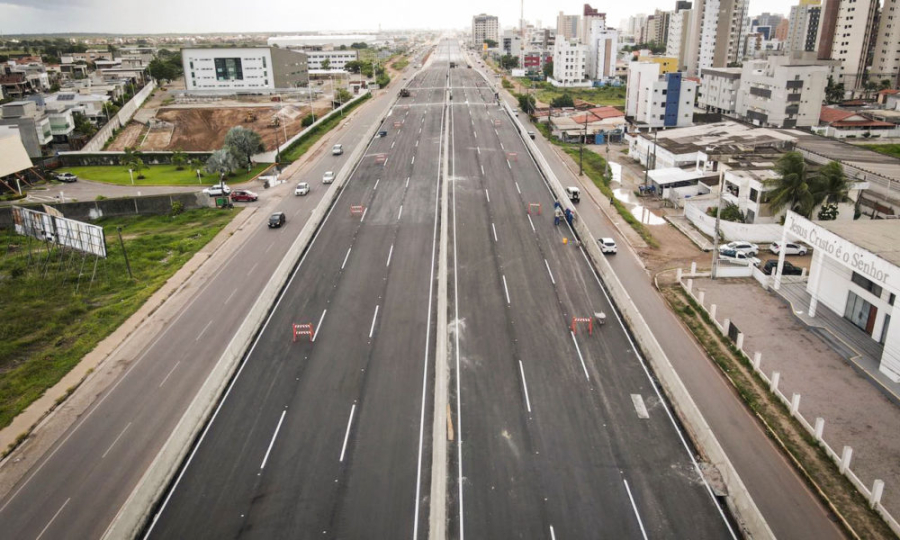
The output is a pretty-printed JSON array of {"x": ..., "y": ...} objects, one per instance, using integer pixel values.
[{"x": 127, "y": 138}]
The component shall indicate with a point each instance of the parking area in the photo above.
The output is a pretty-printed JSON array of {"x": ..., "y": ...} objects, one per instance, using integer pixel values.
[{"x": 856, "y": 412}]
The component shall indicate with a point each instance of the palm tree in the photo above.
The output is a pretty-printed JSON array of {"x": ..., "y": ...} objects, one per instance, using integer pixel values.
[
  {"x": 179, "y": 159},
  {"x": 831, "y": 185},
  {"x": 794, "y": 188}
]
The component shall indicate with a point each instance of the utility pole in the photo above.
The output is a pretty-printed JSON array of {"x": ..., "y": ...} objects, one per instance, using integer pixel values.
[
  {"x": 125, "y": 253},
  {"x": 715, "y": 260}
]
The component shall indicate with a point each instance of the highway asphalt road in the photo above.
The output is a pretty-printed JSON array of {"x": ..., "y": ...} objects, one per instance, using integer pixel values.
[
  {"x": 789, "y": 507},
  {"x": 561, "y": 434},
  {"x": 76, "y": 488},
  {"x": 330, "y": 438}
]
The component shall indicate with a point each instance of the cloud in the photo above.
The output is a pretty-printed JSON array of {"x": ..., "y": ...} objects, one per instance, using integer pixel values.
[{"x": 46, "y": 4}]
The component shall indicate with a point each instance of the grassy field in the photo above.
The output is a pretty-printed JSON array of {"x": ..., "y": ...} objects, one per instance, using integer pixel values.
[
  {"x": 401, "y": 63},
  {"x": 887, "y": 149},
  {"x": 158, "y": 175},
  {"x": 51, "y": 320},
  {"x": 607, "y": 95},
  {"x": 304, "y": 143}
]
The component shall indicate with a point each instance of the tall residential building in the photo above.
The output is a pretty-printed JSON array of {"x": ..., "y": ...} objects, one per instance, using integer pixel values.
[
  {"x": 485, "y": 27},
  {"x": 660, "y": 35},
  {"x": 782, "y": 91},
  {"x": 588, "y": 17},
  {"x": 679, "y": 24},
  {"x": 846, "y": 35},
  {"x": 569, "y": 62},
  {"x": 781, "y": 31},
  {"x": 601, "y": 50},
  {"x": 567, "y": 26},
  {"x": 720, "y": 32},
  {"x": 886, "y": 61},
  {"x": 803, "y": 27},
  {"x": 636, "y": 27},
  {"x": 659, "y": 101}
]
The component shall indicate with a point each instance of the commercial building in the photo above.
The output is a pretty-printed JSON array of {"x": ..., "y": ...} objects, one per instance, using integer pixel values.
[
  {"x": 803, "y": 26},
  {"x": 485, "y": 27},
  {"x": 337, "y": 60},
  {"x": 782, "y": 91},
  {"x": 846, "y": 34},
  {"x": 567, "y": 26},
  {"x": 536, "y": 59},
  {"x": 855, "y": 273},
  {"x": 511, "y": 43},
  {"x": 657, "y": 100},
  {"x": 719, "y": 89},
  {"x": 602, "y": 44},
  {"x": 244, "y": 69},
  {"x": 569, "y": 63},
  {"x": 588, "y": 17},
  {"x": 886, "y": 59}
]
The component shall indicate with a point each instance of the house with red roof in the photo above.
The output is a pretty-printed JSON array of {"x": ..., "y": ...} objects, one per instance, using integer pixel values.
[{"x": 842, "y": 123}]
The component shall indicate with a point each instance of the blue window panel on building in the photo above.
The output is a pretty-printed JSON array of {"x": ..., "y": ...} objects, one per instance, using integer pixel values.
[{"x": 673, "y": 93}]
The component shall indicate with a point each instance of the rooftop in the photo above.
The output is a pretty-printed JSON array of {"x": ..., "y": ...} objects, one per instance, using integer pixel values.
[
  {"x": 726, "y": 137},
  {"x": 857, "y": 156},
  {"x": 876, "y": 235},
  {"x": 671, "y": 175}
]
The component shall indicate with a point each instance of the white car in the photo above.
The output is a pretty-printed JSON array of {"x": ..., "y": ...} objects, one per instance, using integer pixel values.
[
  {"x": 737, "y": 257},
  {"x": 337, "y": 149},
  {"x": 216, "y": 190},
  {"x": 789, "y": 248},
  {"x": 747, "y": 248},
  {"x": 607, "y": 245},
  {"x": 302, "y": 189},
  {"x": 328, "y": 177}
]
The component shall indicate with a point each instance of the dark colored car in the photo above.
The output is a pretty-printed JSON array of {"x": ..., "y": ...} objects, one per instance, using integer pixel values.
[
  {"x": 243, "y": 195},
  {"x": 788, "y": 269},
  {"x": 276, "y": 220},
  {"x": 66, "y": 177}
]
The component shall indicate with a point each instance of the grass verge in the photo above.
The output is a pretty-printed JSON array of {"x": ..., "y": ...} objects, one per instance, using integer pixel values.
[
  {"x": 303, "y": 144},
  {"x": 51, "y": 320},
  {"x": 401, "y": 63},
  {"x": 815, "y": 466},
  {"x": 886, "y": 149},
  {"x": 158, "y": 175},
  {"x": 595, "y": 169},
  {"x": 604, "y": 95}
]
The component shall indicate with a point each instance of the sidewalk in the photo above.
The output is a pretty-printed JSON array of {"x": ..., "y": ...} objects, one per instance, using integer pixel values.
[{"x": 856, "y": 413}]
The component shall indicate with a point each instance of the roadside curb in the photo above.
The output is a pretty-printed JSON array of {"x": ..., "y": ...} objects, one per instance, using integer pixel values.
[{"x": 153, "y": 485}]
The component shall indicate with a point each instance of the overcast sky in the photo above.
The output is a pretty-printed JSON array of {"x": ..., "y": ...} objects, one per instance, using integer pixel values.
[{"x": 200, "y": 16}]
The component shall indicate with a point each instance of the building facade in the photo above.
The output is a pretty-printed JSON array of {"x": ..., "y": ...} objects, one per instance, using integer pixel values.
[
  {"x": 679, "y": 24},
  {"x": 336, "y": 59},
  {"x": 244, "y": 69},
  {"x": 803, "y": 26},
  {"x": 719, "y": 90},
  {"x": 721, "y": 29},
  {"x": 32, "y": 122},
  {"x": 602, "y": 44},
  {"x": 886, "y": 58},
  {"x": 485, "y": 27},
  {"x": 782, "y": 92},
  {"x": 567, "y": 26},
  {"x": 846, "y": 35},
  {"x": 569, "y": 63},
  {"x": 657, "y": 100}
]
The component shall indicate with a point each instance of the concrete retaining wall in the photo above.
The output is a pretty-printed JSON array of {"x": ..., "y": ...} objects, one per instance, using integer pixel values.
[
  {"x": 120, "y": 119},
  {"x": 738, "y": 499},
  {"x": 137, "y": 510},
  {"x": 750, "y": 232},
  {"x": 87, "y": 159}
]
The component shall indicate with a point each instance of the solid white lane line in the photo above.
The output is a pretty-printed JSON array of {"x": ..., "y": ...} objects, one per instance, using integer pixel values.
[
  {"x": 400, "y": 213},
  {"x": 634, "y": 506},
  {"x": 482, "y": 170},
  {"x": 549, "y": 272},
  {"x": 517, "y": 188},
  {"x": 366, "y": 209},
  {"x": 347, "y": 434},
  {"x": 318, "y": 326},
  {"x": 506, "y": 289},
  {"x": 229, "y": 297},
  {"x": 116, "y": 440},
  {"x": 552, "y": 533},
  {"x": 393, "y": 143},
  {"x": 532, "y": 223},
  {"x": 268, "y": 248},
  {"x": 413, "y": 162},
  {"x": 639, "y": 406},
  {"x": 200, "y": 335},
  {"x": 508, "y": 165},
  {"x": 578, "y": 349},
  {"x": 347, "y": 256},
  {"x": 47, "y": 526},
  {"x": 376, "y": 184},
  {"x": 525, "y": 386},
  {"x": 390, "y": 252},
  {"x": 168, "y": 374},
  {"x": 486, "y": 194},
  {"x": 374, "y": 318},
  {"x": 479, "y": 150},
  {"x": 252, "y": 269},
  {"x": 495, "y": 232},
  {"x": 272, "y": 442}
]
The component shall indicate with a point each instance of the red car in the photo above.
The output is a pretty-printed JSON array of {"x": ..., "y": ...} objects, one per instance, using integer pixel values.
[{"x": 242, "y": 195}]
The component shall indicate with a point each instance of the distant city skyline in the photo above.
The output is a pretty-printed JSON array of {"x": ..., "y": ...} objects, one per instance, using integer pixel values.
[{"x": 206, "y": 16}]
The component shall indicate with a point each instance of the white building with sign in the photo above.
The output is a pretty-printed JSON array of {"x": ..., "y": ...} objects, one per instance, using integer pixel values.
[{"x": 855, "y": 273}]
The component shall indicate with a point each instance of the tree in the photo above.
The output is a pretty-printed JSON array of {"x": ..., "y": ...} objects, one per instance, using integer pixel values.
[
  {"x": 564, "y": 100},
  {"x": 83, "y": 125},
  {"x": 342, "y": 95},
  {"x": 834, "y": 93},
  {"x": 868, "y": 88},
  {"x": 243, "y": 143},
  {"x": 179, "y": 159},
  {"x": 353, "y": 66},
  {"x": 133, "y": 160},
  {"x": 326, "y": 64},
  {"x": 359, "y": 45},
  {"x": 886, "y": 84},
  {"x": 526, "y": 103},
  {"x": 509, "y": 62},
  {"x": 831, "y": 185},
  {"x": 222, "y": 161},
  {"x": 491, "y": 43},
  {"x": 308, "y": 120},
  {"x": 793, "y": 189},
  {"x": 548, "y": 69}
]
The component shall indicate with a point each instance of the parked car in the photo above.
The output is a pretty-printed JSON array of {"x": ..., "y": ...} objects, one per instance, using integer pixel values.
[
  {"x": 243, "y": 195},
  {"x": 66, "y": 177},
  {"x": 328, "y": 177},
  {"x": 747, "y": 248},
  {"x": 789, "y": 248},
  {"x": 787, "y": 269},
  {"x": 217, "y": 190},
  {"x": 337, "y": 149},
  {"x": 302, "y": 189},
  {"x": 277, "y": 220},
  {"x": 607, "y": 245},
  {"x": 731, "y": 255}
]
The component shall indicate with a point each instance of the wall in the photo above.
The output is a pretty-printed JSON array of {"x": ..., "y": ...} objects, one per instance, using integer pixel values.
[
  {"x": 87, "y": 159},
  {"x": 129, "y": 206},
  {"x": 120, "y": 119},
  {"x": 696, "y": 213}
]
